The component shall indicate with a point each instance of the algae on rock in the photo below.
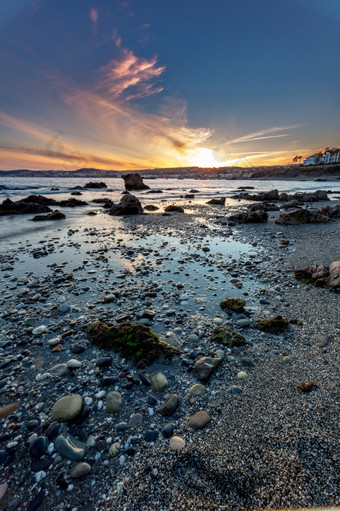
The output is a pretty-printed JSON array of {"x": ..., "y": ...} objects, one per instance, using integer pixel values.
[
  {"x": 274, "y": 325},
  {"x": 227, "y": 337},
  {"x": 135, "y": 342}
]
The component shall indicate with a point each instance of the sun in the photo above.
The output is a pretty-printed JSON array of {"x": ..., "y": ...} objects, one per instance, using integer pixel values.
[{"x": 203, "y": 157}]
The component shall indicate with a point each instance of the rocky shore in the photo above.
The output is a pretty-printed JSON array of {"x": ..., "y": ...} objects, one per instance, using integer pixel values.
[{"x": 170, "y": 361}]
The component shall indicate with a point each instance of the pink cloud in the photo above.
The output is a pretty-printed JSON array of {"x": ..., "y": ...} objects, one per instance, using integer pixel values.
[{"x": 93, "y": 15}]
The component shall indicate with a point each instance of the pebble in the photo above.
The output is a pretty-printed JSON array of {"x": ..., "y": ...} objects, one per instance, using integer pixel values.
[
  {"x": 205, "y": 366},
  {"x": 168, "y": 408},
  {"x": 114, "y": 449},
  {"x": 177, "y": 443},
  {"x": 242, "y": 374},
  {"x": 69, "y": 447},
  {"x": 199, "y": 420},
  {"x": 135, "y": 420},
  {"x": 60, "y": 370},
  {"x": 151, "y": 436},
  {"x": 243, "y": 323},
  {"x": 80, "y": 470},
  {"x": 234, "y": 389},
  {"x": 104, "y": 361},
  {"x": 159, "y": 381},
  {"x": 198, "y": 389},
  {"x": 7, "y": 410},
  {"x": 113, "y": 402},
  {"x": 73, "y": 364},
  {"x": 67, "y": 407},
  {"x": 3, "y": 489},
  {"x": 168, "y": 430},
  {"x": 38, "y": 446},
  {"x": 42, "y": 329}
]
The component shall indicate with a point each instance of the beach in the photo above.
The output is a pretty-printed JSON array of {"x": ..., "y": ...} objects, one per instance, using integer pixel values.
[{"x": 269, "y": 437}]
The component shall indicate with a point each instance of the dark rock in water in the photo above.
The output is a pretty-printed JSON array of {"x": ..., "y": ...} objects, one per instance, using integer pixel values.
[
  {"x": 168, "y": 430},
  {"x": 189, "y": 196},
  {"x": 71, "y": 203},
  {"x": 174, "y": 208},
  {"x": 226, "y": 336},
  {"x": 234, "y": 304},
  {"x": 217, "y": 202},
  {"x": 321, "y": 276},
  {"x": 169, "y": 407},
  {"x": 151, "y": 436},
  {"x": 136, "y": 342},
  {"x": 23, "y": 207},
  {"x": 76, "y": 193},
  {"x": 274, "y": 325},
  {"x": 55, "y": 215},
  {"x": 205, "y": 366},
  {"x": 273, "y": 195},
  {"x": 253, "y": 216},
  {"x": 134, "y": 182},
  {"x": 330, "y": 211},
  {"x": 300, "y": 216},
  {"x": 128, "y": 205},
  {"x": 95, "y": 185}
]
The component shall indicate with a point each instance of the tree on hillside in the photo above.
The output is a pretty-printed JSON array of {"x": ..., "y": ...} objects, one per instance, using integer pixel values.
[{"x": 297, "y": 158}]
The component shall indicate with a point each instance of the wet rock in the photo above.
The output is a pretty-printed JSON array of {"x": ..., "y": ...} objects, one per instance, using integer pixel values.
[
  {"x": 151, "y": 436},
  {"x": 334, "y": 277},
  {"x": 169, "y": 407},
  {"x": 29, "y": 205},
  {"x": 177, "y": 443},
  {"x": 95, "y": 185},
  {"x": 252, "y": 216},
  {"x": 197, "y": 390},
  {"x": 134, "y": 182},
  {"x": 199, "y": 420},
  {"x": 128, "y": 205},
  {"x": 330, "y": 211},
  {"x": 69, "y": 447},
  {"x": 104, "y": 361},
  {"x": 205, "y": 367},
  {"x": 151, "y": 207},
  {"x": 54, "y": 215},
  {"x": 234, "y": 389},
  {"x": 113, "y": 402},
  {"x": 38, "y": 446},
  {"x": 234, "y": 304},
  {"x": 114, "y": 449},
  {"x": 217, "y": 202},
  {"x": 135, "y": 342},
  {"x": 168, "y": 430},
  {"x": 174, "y": 209},
  {"x": 60, "y": 370},
  {"x": 228, "y": 337},
  {"x": 7, "y": 410},
  {"x": 300, "y": 216},
  {"x": 67, "y": 408}
]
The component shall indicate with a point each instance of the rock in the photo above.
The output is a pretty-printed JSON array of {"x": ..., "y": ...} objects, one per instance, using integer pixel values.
[
  {"x": 69, "y": 447},
  {"x": 169, "y": 407},
  {"x": 60, "y": 370},
  {"x": 79, "y": 470},
  {"x": 234, "y": 389},
  {"x": 95, "y": 185},
  {"x": 242, "y": 374},
  {"x": 71, "y": 203},
  {"x": 174, "y": 208},
  {"x": 300, "y": 216},
  {"x": 306, "y": 387},
  {"x": 334, "y": 277},
  {"x": 38, "y": 446},
  {"x": 7, "y": 410},
  {"x": 205, "y": 366},
  {"x": 104, "y": 361},
  {"x": 151, "y": 207},
  {"x": 64, "y": 308},
  {"x": 128, "y": 205},
  {"x": 3, "y": 489},
  {"x": 234, "y": 304},
  {"x": 217, "y": 202},
  {"x": 168, "y": 430},
  {"x": 134, "y": 182},
  {"x": 177, "y": 443},
  {"x": 135, "y": 420},
  {"x": 29, "y": 205},
  {"x": 67, "y": 408},
  {"x": 36, "y": 502},
  {"x": 274, "y": 325},
  {"x": 243, "y": 323},
  {"x": 54, "y": 215},
  {"x": 226, "y": 336},
  {"x": 199, "y": 420},
  {"x": 114, "y": 449},
  {"x": 135, "y": 342},
  {"x": 159, "y": 381},
  {"x": 42, "y": 329},
  {"x": 330, "y": 211},
  {"x": 322, "y": 341},
  {"x": 113, "y": 402},
  {"x": 253, "y": 216},
  {"x": 151, "y": 436},
  {"x": 197, "y": 390},
  {"x": 73, "y": 364}
]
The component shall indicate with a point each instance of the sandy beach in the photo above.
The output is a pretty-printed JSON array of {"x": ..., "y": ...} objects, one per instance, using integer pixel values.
[{"x": 269, "y": 438}]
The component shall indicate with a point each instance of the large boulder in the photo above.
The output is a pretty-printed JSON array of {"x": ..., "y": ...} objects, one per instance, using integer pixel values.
[
  {"x": 253, "y": 216},
  {"x": 217, "y": 202},
  {"x": 129, "y": 205},
  {"x": 330, "y": 211},
  {"x": 95, "y": 185},
  {"x": 134, "y": 182},
  {"x": 320, "y": 275},
  {"x": 55, "y": 215},
  {"x": 334, "y": 277},
  {"x": 300, "y": 216},
  {"x": 24, "y": 206}
]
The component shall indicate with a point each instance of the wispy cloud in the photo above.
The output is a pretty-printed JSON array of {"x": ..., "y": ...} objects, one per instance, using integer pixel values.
[
  {"x": 93, "y": 15},
  {"x": 264, "y": 134}
]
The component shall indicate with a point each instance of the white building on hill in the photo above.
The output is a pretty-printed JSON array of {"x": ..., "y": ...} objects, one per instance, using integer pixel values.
[{"x": 330, "y": 156}]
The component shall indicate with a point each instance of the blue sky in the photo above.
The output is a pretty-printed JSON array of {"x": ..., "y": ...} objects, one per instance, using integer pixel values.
[{"x": 143, "y": 83}]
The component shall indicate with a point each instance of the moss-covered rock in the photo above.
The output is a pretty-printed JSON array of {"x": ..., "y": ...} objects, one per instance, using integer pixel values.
[
  {"x": 227, "y": 337},
  {"x": 274, "y": 325},
  {"x": 234, "y": 304},
  {"x": 135, "y": 342}
]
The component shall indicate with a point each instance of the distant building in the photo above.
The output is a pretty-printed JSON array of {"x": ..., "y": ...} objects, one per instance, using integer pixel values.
[{"x": 330, "y": 156}]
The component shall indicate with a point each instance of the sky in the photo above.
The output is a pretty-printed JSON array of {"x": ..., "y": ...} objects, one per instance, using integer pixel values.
[{"x": 135, "y": 84}]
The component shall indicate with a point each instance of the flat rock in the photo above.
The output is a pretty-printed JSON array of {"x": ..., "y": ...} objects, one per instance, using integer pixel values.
[
  {"x": 60, "y": 370},
  {"x": 177, "y": 443},
  {"x": 67, "y": 408},
  {"x": 199, "y": 420},
  {"x": 205, "y": 366},
  {"x": 197, "y": 390},
  {"x": 80, "y": 470}
]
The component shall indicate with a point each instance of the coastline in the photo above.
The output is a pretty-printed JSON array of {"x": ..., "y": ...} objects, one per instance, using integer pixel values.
[{"x": 268, "y": 446}]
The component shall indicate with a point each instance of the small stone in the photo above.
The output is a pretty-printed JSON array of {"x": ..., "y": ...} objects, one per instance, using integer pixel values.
[
  {"x": 287, "y": 359},
  {"x": 151, "y": 436},
  {"x": 42, "y": 329},
  {"x": 3, "y": 489},
  {"x": 321, "y": 340},
  {"x": 168, "y": 408},
  {"x": 135, "y": 420},
  {"x": 39, "y": 446},
  {"x": 69, "y": 447},
  {"x": 168, "y": 430},
  {"x": 73, "y": 364},
  {"x": 177, "y": 443},
  {"x": 60, "y": 370},
  {"x": 234, "y": 389},
  {"x": 113, "y": 401},
  {"x": 104, "y": 361},
  {"x": 80, "y": 470},
  {"x": 197, "y": 390},
  {"x": 67, "y": 408},
  {"x": 199, "y": 420},
  {"x": 243, "y": 323},
  {"x": 7, "y": 410},
  {"x": 64, "y": 308},
  {"x": 220, "y": 354},
  {"x": 114, "y": 449},
  {"x": 205, "y": 366},
  {"x": 234, "y": 304},
  {"x": 242, "y": 374},
  {"x": 159, "y": 381}
]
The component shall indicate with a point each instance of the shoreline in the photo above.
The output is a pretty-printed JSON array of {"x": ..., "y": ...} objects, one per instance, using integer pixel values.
[{"x": 267, "y": 446}]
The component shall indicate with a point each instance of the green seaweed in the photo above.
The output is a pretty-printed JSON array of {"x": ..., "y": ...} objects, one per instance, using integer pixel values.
[
  {"x": 135, "y": 342},
  {"x": 227, "y": 337},
  {"x": 234, "y": 304},
  {"x": 274, "y": 325}
]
